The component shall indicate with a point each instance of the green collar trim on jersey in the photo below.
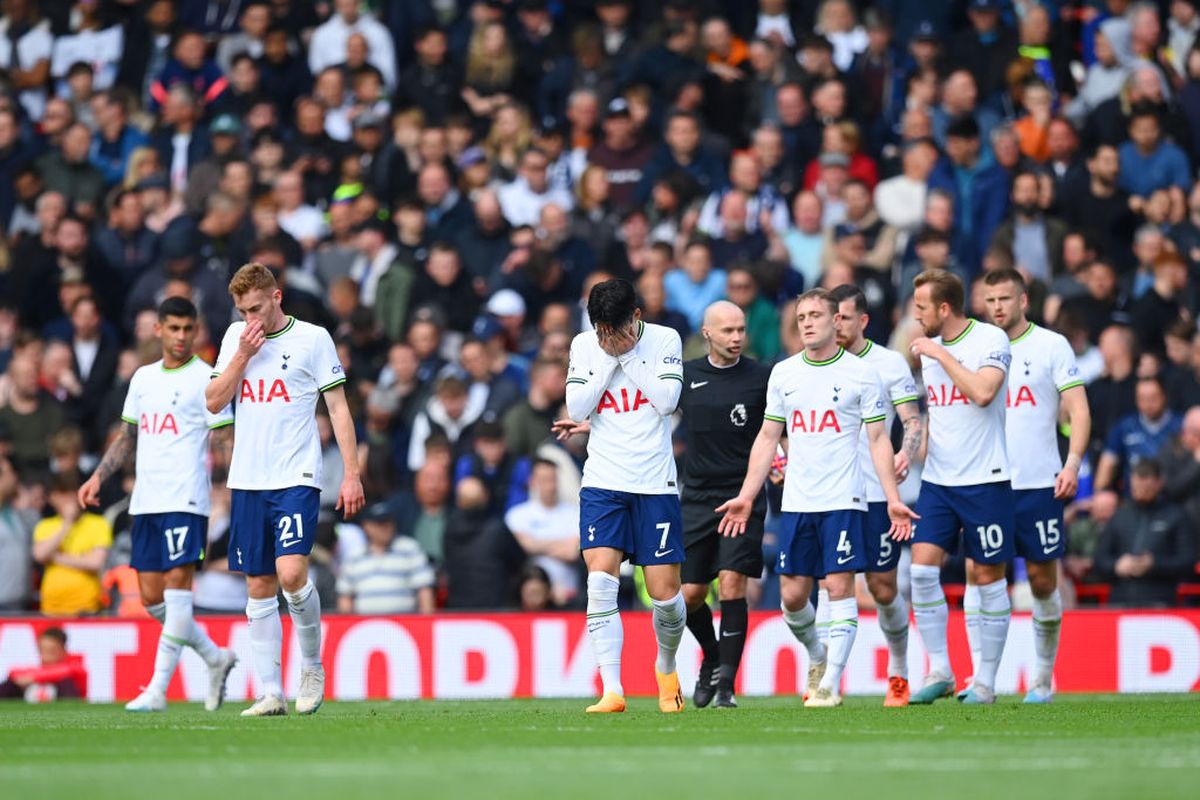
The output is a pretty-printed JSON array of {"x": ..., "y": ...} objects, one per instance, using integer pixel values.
[
  {"x": 641, "y": 329},
  {"x": 961, "y": 336},
  {"x": 866, "y": 349},
  {"x": 824, "y": 363},
  {"x": 1028, "y": 331},
  {"x": 290, "y": 322},
  {"x": 165, "y": 368}
]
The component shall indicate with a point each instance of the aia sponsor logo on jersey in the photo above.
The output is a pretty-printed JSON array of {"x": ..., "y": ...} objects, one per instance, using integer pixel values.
[
  {"x": 260, "y": 393},
  {"x": 815, "y": 421},
  {"x": 154, "y": 424},
  {"x": 1024, "y": 396},
  {"x": 943, "y": 395},
  {"x": 622, "y": 403}
]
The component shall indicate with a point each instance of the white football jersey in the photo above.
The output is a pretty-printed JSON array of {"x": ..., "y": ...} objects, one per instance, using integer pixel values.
[
  {"x": 629, "y": 403},
  {"x": 966, "y": 442},
  {"x": 168, "y": 408},
  {"x": 896, "y": 381},
  {"x": 276, "y": 445},
  {"x": 1043, "y": 365},
  {"x": 823, "y": 407}
]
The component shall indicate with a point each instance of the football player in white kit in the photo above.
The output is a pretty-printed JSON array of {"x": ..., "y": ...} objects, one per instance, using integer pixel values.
[
  {"x": 274, "y": 367},
  {"x": 1044, "y": 379},
  {"x": 166, "y": 423},
  {"x": 822, "y": 397},
  {"x": 883, "y": 552},
  {"x": 624, "y": 382},
  {"x": 965, "y": 485}
]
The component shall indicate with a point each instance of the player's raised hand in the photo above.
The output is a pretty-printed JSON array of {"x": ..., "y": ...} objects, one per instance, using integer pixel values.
[
  {"x": 89, "y": 493},
  {"x": 1066, "y": 484},
  {"x": 737, "y": 514},
  {"x": 564, "y": 429},
  {"x": 252, "y": 339},
  {"x": 350, "y": 497},
  {"x": 924, "y": 346},
  {"x": 902, "y": 518}
]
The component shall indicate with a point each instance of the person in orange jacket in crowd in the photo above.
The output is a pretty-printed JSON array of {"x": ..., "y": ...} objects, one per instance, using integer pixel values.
[{"x": 59, "y": 676}]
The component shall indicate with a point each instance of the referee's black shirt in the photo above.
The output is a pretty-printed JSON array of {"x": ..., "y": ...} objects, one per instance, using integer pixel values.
[{"x": 722, "y": 411}]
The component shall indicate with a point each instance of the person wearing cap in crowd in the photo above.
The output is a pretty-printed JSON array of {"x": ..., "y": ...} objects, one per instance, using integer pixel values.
[
  {"x": 178, "y": 250},
  {"x": 474, "y": 172},
  {"x": 393, "y": 575},
  {"x": 986, "y": 48},
  {"x": 621, "y": 153},
  {"x": 224, "y": 132}
]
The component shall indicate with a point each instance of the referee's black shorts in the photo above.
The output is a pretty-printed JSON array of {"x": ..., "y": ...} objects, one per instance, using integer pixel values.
[{"x": 707, "y": 551}]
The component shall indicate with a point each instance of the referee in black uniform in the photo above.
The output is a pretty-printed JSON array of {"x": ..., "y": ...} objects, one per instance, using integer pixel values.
[{"x": 723, "y": 401}]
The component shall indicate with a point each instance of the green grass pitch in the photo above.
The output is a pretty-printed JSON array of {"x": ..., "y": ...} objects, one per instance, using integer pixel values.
[{"x": 1097, "y": 746}]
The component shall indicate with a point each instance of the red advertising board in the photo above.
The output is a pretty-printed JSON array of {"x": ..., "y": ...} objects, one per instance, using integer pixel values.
[{"x": 548, "y": 655}]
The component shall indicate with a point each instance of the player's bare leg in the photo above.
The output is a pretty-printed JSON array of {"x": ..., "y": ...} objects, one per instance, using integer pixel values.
[
  {"x": 266, "y": 643},
  {"x": 167, "y": 597},
  {"x": 700, "y": 623},
  {"x": 1047, "y": 621},
  {"x": 604, "y": 624},
  {"x": 670, "y": 619},
  {"x": 843, "y": 626},
  {"x": 931, "y": 613},
  {"x": 731, "y": 586},
  {"x": 801, "y": 619},
  {"x": 893, "y": 621},
  {"x": 304, "y": 605}
]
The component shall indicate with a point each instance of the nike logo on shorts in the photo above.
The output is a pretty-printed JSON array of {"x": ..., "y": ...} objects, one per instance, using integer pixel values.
[
  {"x": 986, "y": 554},
  {"x": 844, "y": 560},
  {"x": 661, "y": 553},
  {"x": 290, "y": 542}
]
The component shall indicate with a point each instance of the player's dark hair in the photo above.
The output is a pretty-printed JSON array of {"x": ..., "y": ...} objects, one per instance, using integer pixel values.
[
  {"x": 1156, "y": 379},
  {"x": 823, "y": 295},
  {"x": 55, "y": 633},
  {"x": 1006, "y": 275},
  {"x": 1148, "y": 468},
  {"x": 848, "y": 291},
  {"x": 177, "y": 307},
  {"x": 944, "y": 287},
  {"x": 544, "y": 462},
  {"x": 612, "y": 303}
]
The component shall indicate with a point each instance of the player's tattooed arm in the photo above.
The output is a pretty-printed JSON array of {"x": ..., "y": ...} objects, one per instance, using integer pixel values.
[
  {"x": 914, "y": 430},
  {"x": 119, "y": 454}
]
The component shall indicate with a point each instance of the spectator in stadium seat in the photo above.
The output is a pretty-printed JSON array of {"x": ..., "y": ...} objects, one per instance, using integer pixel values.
[
  {"x": 68, "y": 170},
  {"x": 253, "y": 22},
  {"x": 1137, "y": 436},
  {"x": 493, "y": 462},
  {"x": 805, "y": 239},
  {"x": 1148, "y": 546},
  {"x": 481, "y": 556},
  {"x": 450, "y": 414},
  {"x": 1164, "y": 303},
  {"x": 327, "y": 47},
  {"x": 1149, "y": 162},
  {"x": 115, "y": 139},
  {"x": 423, "y": 512},
  {"x": 682, "y": 150},
  {"x": 16, "y": 529},
  {"x": 900, "y": 200},
  {"x": 695, "y": 284},
  {"x": 179, "y": 261},
  {"x": 1034, "y": 237},
  {"x": 445, "y": 285},
  {"x": 735, "y": 243},
  {"x": 961, "y": 98},
  {"x": 31, "y": 416},
  {"x": 190, "y": 66},
  {"x": 762, "y": 317},
  {"x": 73, "y": 547},
  {"x": 527, "y": 423},
  {"x": 431, "y": 81},
  {"x": 393, "y": 576},
  {"x": 653, "y": 294},
  {"x": 522, "y": 199},
  {"x": 547, "y": 528},
  {"x": 1180, "y": 460},
  {"x": 125, "y": 245},
  {"x": 986, "y": 48}
]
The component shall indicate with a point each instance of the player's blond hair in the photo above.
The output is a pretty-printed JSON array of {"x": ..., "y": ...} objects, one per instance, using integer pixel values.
[
  {"x": 944, "y": 287},
  {"x": 252, "y": 276}
]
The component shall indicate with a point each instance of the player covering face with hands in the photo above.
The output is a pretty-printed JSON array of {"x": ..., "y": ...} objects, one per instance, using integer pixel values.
[
  {"x": 623, "y": 384},
  {"x": 822, "y": 398},
  {"x": 274, "y": 367}
]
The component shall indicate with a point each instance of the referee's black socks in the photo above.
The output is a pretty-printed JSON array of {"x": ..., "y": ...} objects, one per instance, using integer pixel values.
[
  {"x": 700, "y": 623},
  {"x": 734, "y": 619}
]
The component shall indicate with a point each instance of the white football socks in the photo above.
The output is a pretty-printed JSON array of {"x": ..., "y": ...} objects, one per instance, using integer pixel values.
[
  {"x": 803, "y": 624},
  {"x": 177, "y": 625},
  {"x": 305, "y": 607},
  {"x": 970, "y": 605},
  {"x": 670, "y": 618},
  {"x": 824, "y": 615},
  {"x": 843, "y": 627},
  {"x": 893, "y": 621},
  {"x": 158, "y": 611},
  {"x": 1047, "y": 622},
  {"x": 266, "y": 643},
  {"x": 929, "y": 608},
  {"x": 604, "y": 628},
  {"x": 995, "y": 611}
]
